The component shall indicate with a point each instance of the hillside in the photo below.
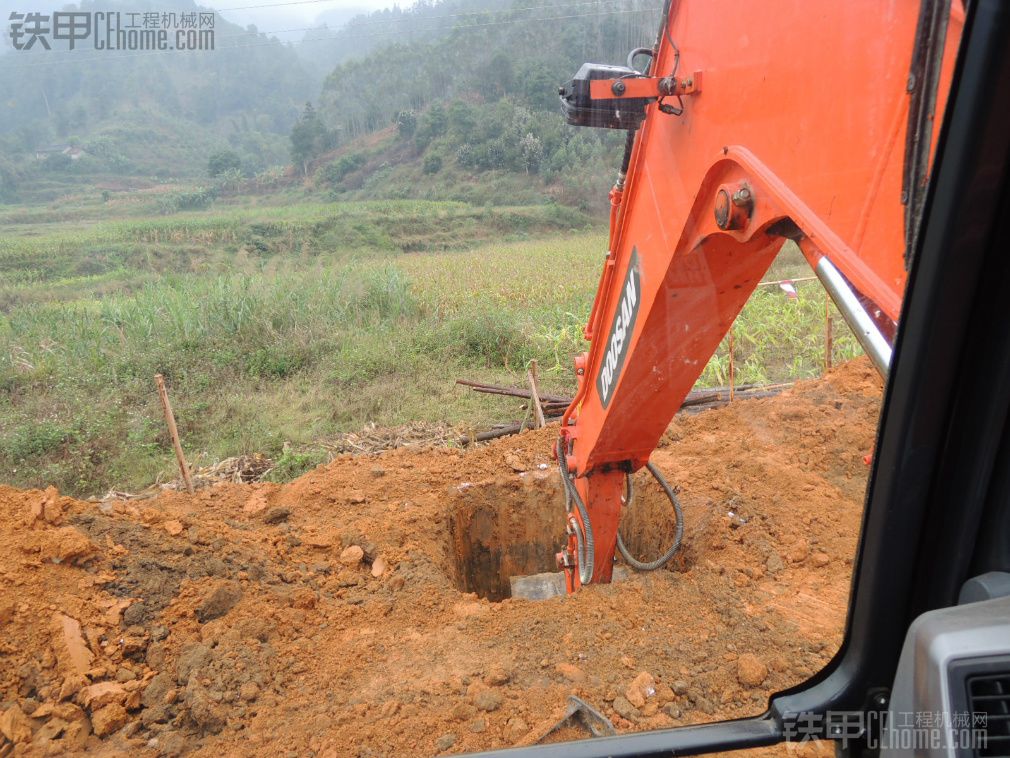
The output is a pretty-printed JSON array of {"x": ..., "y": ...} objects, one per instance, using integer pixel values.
[
  {"x": 471, "y": 113},
  {"x": 155, "y": 114},
  {"x": 341, "y": 35},
  {"x": 448, "y": 100}
]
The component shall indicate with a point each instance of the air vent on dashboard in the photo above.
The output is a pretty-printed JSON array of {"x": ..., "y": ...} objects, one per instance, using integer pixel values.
[{"x": 989, "y": 694}]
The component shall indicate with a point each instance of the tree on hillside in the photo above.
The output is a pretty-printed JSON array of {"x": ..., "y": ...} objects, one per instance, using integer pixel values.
[
  {"x": 10, "y": 174},
  {"x": 309, "y": 138},
  {"x": 405, "y": 122},
  {"x": 532, "y": 150},
  {"x": 432, "y": 124}
]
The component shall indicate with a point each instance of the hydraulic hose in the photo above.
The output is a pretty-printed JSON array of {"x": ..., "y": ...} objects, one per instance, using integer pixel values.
[
  {"x": 586, "y": 552},
  {"x": 636, "y": 52},
  {"x": 629, "y": 144},
  {"x": 678, "y": 535}
]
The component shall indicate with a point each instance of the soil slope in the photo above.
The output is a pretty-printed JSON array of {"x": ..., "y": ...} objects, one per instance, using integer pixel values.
[{"x": 324, "y": 617}]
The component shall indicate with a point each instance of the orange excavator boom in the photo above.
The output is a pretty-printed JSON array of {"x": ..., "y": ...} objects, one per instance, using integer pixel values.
[{"x": 754, "y": 123}]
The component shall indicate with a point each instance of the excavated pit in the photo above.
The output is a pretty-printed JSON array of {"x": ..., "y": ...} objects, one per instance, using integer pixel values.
[{"x": 500, "y": 529}]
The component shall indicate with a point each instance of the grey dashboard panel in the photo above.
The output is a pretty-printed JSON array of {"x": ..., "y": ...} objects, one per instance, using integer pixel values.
[
  {"x": 986, "y": 586},
  {"x": 929, "y": 700}
]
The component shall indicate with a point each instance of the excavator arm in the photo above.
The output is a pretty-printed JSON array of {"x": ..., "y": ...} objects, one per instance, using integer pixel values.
[{"x": 753, "y": 124}]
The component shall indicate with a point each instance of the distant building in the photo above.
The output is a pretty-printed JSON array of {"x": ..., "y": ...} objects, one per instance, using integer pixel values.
[{"x": 74, "y": 153}]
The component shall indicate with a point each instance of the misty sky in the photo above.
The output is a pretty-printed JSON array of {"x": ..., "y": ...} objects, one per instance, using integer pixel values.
[
  {"x": 271, "y": 16},
  {"x": 267, "y": 15}
]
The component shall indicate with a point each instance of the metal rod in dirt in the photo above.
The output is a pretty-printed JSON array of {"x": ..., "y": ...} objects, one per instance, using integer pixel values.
[
  {"x": 787, "y": 281},
  {"x": 829, "y": 343},
  {"x": 855, "y": 315},
  {"x": 166, "y": 406},
  {"x": 732, "y": 367},
  {"x": 538, "y": 410}
]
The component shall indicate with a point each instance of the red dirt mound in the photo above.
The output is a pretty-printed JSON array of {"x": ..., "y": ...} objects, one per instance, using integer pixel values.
[{"x": 326, "y": 617}]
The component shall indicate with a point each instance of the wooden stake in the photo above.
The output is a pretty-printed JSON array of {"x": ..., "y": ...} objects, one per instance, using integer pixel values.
[
  {"x": 732, "y": 367},
  {"x": 538, "y": 409},
  {"x": 829, "y": 345},
  {"x": 166, "y": 406}
]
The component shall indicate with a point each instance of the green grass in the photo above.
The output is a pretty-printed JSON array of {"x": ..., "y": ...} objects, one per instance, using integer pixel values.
[
  {"x": 277, "y": 327},
  {"x": 73, "y": 258},
  {"x": 777, "y": 339}
]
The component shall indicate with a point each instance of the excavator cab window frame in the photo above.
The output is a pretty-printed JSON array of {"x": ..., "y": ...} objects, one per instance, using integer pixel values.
[{"x": 937, "y": 491}]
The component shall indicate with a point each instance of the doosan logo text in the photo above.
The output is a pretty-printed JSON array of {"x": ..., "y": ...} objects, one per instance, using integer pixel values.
[{"x": 620, "y": 331}]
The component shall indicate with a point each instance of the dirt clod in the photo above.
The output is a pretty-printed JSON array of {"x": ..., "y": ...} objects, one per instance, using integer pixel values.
[
  {"x": 71, "y": 649},
  {"x": 352, "y": 556},
  {"x": 219, "y": 602},
  {"x": 249, "y": 691},
  {"x": 109, "y": 719},
  {"x": 99, "y": 695},
  {"x": 445, "y": 742},
  {"x": 488, "y": 700},
  {"x": 641, "y": 689},
  {"x": 672, "y": 710},
  {"x": 15, "y": 726},
  {"x": 497, "y": 676},
  {"x": 276, "y": 515},
  {"x": 751, "y": 670},
  {"x": 625, "y": 709},
  {"x": 67, "y": 545},
  {"x": 571, "y": 672},
  {"x": 515, "y": 729}
]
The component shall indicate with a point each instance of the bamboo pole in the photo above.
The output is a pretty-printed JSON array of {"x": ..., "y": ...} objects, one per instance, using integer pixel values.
[
  {"x": 710, "y": 400},
  {"x": 732, "y": 367},
  {"x": 509, "y": 391},
  {"x": 166, "y": 406},
  {"x": 829, "y": 346},
  {"x": 553, "y": 404},
  {"x": 538, "y": 410}
]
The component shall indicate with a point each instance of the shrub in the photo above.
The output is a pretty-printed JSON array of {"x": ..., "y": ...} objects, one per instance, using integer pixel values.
[
  {"x": 291, "y": 465},
  {"x": 333, "y": 173},
  {"x": 36, "y": 439},
  {"x": 57, "y": 162},
  {"x": 432, "y": 163},
  {"x": 223, "y": 161},
  {"x": 195, "y": 200},
  {"x": 274, "y": 362},
  {"x": 386, "y": 294},
  {"x": 493, "y": 337}
]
